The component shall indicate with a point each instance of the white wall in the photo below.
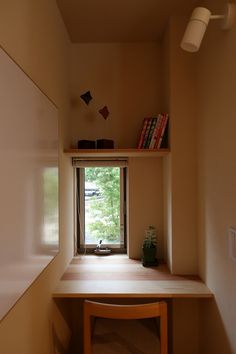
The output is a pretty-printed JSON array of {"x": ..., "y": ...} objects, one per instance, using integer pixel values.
[
  {"x": 180, "y": 181},
  {"x": 209, "y": 103},
  {"x": 145, "y": 204},
  {"x": 32, "y": 33},
  {"x": 217, "y": 175},
  {"x": 181, "y": 165}
]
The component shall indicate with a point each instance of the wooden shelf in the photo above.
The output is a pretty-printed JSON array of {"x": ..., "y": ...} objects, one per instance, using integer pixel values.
[{"x": 117, "y": 152}]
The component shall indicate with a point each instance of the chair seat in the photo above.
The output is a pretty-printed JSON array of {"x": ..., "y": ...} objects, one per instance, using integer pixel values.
[{"x": 115, "y": 336}]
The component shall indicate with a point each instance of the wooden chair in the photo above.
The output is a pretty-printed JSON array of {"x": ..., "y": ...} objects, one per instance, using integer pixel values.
[{"x": 93, "y": 310}]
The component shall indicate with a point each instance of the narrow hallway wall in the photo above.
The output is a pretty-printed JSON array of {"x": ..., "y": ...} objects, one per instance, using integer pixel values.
[{"x": 33, "y": 34}]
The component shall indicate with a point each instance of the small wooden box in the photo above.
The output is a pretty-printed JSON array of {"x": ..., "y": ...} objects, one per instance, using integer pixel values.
[
  {"x": 86, "y": 144},
  {"x": 105, "y": 144}
]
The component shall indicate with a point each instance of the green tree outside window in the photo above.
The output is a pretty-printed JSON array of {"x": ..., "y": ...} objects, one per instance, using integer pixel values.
[{"x": 105, "y": 209}]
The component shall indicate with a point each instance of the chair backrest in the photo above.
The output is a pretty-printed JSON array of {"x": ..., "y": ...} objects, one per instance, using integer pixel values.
[{"x": 111, "y": 311}]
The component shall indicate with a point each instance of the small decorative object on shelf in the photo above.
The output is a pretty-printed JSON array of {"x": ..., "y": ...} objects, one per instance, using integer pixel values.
[
  {"x": 154, "y": 132},
  {"x": 98, "y": 144},
  {"x": 149, "y": 248},
  {"x": 86, "y": 144},
  {"x": 105, "y": 144}
]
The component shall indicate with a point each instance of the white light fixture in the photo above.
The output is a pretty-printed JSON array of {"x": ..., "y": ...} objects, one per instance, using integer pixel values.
[{"x": 198, "y": 23}]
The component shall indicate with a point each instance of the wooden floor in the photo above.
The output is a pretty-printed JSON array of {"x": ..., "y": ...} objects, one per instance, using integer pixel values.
[{"x": 118, "y": 276}]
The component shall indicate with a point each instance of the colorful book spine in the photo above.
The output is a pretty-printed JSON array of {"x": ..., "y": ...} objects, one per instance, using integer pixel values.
[
  {"x": 155, "y": 132},
  {"x": 159, "y": 130},
  {"x": 152, "y": 127},
  {"x": 163, "y": 128},
  {"x": 146, "y": 133},
  {"x": 141, "y": 138}
]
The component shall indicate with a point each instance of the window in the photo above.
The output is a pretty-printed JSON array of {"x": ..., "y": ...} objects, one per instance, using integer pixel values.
[{"x": 101, "y": 205}]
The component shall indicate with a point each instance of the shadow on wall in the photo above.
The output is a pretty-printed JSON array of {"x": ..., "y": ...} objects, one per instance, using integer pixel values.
[
  {"x": 213, "y": 336},
  {"x": 61, "y": 333}
]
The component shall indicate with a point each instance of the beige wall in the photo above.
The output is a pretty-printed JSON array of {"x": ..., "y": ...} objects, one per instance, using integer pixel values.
[
  {"x": 145, "y": 204},
  {"x": 181, "y": 165},
  {"x": 180, "y": 181},
  {"x": 217, "y": 176},
  {"x": 167, "y": 191},
  {"x": 215, "y": 124},
  {"x": 123, "y": 76},
  {"x": 208, "y": 100},
  {"x": 127, "y": 78},
  {"x": 34, "y": 36}
]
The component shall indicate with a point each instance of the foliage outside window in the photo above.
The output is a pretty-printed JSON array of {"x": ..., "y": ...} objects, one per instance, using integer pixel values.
[
  {"x": 105, "y": 207},
  {"x": 101, "y": 199}
]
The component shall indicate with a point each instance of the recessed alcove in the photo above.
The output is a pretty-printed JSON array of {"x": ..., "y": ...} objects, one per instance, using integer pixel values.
[{"x": 138, "y": 80}]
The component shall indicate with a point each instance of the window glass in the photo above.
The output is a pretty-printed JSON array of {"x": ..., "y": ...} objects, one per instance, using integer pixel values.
[{"x": 101, "y": 207}]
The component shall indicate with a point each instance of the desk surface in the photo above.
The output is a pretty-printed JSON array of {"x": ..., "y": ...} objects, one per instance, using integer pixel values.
[{"x": 121, "y": 277}]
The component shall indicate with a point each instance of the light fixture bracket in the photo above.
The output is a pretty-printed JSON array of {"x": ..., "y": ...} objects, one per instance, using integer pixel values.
[{"x": 229, "y": 17}]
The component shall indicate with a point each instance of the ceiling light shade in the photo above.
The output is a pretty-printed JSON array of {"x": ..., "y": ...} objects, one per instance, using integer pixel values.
[{"x": 196, "y": 29}]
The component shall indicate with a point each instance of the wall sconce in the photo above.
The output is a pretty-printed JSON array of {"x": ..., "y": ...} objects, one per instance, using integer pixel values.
[{"x": 198, "y": 23}]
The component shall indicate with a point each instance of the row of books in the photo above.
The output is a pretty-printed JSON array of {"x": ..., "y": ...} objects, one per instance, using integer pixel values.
[{"x": 153, "y": 132}]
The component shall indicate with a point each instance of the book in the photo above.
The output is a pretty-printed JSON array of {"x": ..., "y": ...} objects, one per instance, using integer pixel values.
[
  {"x": 159, "y": 131},
  {"x": 151, "y": 130},
  {"x": 141, "y": 138},
  {"x": 164, "y": 143},
  {"x": 163, "y": 128},
  {"x": 155, "y": 132},
  {"x": 146, "y": 133}
]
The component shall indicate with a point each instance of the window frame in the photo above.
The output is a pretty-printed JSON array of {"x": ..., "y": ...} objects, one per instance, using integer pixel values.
[{"x": 80, "y": 246}]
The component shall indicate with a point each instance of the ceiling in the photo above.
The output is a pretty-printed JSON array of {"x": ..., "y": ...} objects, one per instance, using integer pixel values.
[{"x": 119, "y": 20}]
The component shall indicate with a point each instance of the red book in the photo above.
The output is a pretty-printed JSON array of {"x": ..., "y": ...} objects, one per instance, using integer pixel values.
[
  {"x": 155, "y": 132},
  {"x": 141, "y": 138},
  {"x": 151, "y": 131},
  {"x": 163, "y": 127},
  {"x": 159, "y": 130},
  {"x": 146, "y": 134}
]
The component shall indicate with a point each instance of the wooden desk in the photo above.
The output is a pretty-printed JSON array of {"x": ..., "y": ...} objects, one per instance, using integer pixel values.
[
  {"x": 118, "y": 279},
  {"x": 117, "y": 276}
]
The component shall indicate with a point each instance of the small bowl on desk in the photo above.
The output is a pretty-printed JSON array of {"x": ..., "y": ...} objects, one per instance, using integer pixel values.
[{"x": 102, "y": 251}]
